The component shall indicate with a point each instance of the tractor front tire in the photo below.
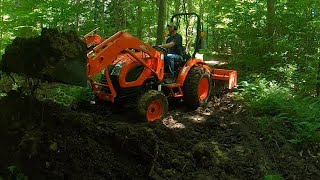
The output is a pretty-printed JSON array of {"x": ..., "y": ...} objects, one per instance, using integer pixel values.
[
  {"x": 152, "y": 105},
  {"x": 197, "y": 87}
]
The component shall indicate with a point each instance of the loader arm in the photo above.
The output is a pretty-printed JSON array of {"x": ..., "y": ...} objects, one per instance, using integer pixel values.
[{"x": 106, "y": 52}]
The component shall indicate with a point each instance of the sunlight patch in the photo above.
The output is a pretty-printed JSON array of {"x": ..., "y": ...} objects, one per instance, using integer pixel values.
[
  {"x": 172, "y": 124},
  {"x": 197, "y": 118},
  {"x": 206, "y": 111}
]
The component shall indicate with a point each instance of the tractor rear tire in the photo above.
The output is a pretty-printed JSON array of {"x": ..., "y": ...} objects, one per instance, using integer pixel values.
[
  {"x": 153, "y": 105},
  {"x": 197, "y": 87}
]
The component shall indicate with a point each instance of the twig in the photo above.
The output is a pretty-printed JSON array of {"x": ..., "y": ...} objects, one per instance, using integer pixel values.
[
  {"x": 42, "y": 115},
  {"x": 184, "y": 167},
  {"x": 12, "y": 78},
  {"x": 125, "y": 140},
  {"x": 276, "y": 143}
]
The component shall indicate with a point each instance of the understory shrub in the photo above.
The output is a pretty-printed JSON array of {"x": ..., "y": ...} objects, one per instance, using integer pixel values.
[{"x": 297, "y": 117}]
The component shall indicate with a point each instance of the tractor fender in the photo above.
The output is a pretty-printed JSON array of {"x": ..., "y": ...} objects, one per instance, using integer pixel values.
[{"x": 186, "y": 68}]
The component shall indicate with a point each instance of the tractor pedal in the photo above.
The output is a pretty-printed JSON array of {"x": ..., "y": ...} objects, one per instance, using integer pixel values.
[{"x": 176, "y": 95}]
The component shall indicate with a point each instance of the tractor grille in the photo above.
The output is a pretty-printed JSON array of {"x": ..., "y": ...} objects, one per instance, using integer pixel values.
[{"x": 103, "y": 80}]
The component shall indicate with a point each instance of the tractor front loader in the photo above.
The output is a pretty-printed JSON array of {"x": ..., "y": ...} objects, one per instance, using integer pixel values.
[{"x": 121, "y": 68}]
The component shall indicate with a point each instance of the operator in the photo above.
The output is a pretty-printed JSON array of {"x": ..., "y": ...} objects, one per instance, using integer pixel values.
[{"x": 174, "y": 46}]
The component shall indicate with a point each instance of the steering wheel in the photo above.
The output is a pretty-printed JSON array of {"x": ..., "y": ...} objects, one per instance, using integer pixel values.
[{"x": 162, "y": 49}]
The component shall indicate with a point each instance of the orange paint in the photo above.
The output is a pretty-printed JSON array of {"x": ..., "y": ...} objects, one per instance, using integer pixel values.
[
  {"x": 122, "y": 48},
  {"x": 155, "y": 110}
]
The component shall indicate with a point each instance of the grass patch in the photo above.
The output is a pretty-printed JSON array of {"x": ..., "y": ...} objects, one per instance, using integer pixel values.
[
  {"x": 273, "y": 177},
  {"x": 64, "y": 94},
  {"x": 56, "y": 92}
]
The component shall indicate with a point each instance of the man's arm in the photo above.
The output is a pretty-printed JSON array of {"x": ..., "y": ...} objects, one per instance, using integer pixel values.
[{"x": 168, "y": 45}]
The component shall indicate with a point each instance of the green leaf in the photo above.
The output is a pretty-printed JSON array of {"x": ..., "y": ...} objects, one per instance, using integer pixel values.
[
  {"x": 12, "y": 169},
  {"x": 273, "y": 177},
  {"x": 294, "y": 141}
]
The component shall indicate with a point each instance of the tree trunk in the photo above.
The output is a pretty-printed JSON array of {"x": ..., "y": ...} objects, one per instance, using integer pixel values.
[
  {"x": 95, "y": 13},
  {"x": 271, "y": 15},
  {"x": 190, "y": 6},
  {"x": 177, "y": 4},
  {"x": 1, "y": 23},
  {"x": 77, "y": 15},
  {"x": 161, "y": 21},
  {"x": 190, "y": 37},
  {"x": 119, "y": 14},
  {"x": 315, "y": 15},
  {"x": 201, "y": 9},
  {"x": 166, "y": 12},
  {"x": 140, "y": 27},
  {"x": 318, "y": 79},
  {"x": 63, "y": 24}
]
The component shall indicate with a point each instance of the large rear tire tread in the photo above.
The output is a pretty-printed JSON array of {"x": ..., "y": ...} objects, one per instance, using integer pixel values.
[
  {"x": 191, "y": 87},
  {"x": 147, "y": 98}
]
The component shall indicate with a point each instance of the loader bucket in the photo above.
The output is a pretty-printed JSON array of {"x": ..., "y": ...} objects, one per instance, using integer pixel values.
[
  {"x": 70, "y": 72},
  {"x": 53, "y": 56}
]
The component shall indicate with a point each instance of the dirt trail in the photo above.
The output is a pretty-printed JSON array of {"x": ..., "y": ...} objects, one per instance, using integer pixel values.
[{"x": 220, "y": 141}]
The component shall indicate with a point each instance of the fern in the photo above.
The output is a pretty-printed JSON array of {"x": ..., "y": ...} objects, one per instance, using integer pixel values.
[{"x": 278, "y": 105}]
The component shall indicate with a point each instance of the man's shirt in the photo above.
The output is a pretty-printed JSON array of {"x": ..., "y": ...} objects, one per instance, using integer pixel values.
[{"x": 177, "y": 48}]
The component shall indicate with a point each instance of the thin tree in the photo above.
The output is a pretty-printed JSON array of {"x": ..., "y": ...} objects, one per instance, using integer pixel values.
[
  {"x": 318, "y": 79},
  {"x": 161, "y": 21},
  {"x": 140, "y": 27},
  {"x": 271, "y": 15},
  {"x": 1, "y": 23},
  {"x": 177, "y": 4}
]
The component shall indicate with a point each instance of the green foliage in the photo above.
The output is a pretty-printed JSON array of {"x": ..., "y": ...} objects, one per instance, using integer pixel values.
[
  {"x": 7, "y": 84},
  {"x": 266, "y": 97},
  {"x": 14, "y": 173},
  {"x": 27, "y": 18},
  {"x": 280, "y": 110},
  {"x": 64, "y": 94},
  {"x": 59, "y": 93},
  {"x": 273, "y": 177}
]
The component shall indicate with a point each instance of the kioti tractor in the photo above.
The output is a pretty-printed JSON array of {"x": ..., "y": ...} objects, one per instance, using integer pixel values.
[{"x": 130, "y": 67}]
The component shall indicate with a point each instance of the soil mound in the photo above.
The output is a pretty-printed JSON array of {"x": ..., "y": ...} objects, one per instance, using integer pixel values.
[{"x": 42, "y": 56}]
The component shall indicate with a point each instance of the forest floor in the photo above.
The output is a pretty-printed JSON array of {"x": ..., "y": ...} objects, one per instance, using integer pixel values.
[{"x": 220, "y": 141}]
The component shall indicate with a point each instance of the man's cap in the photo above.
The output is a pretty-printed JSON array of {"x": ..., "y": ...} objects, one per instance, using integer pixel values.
[{"x": 171, "y": 25}]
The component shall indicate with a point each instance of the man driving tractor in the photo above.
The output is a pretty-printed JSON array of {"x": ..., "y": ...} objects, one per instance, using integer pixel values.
[{"x": 174, "y": 46}]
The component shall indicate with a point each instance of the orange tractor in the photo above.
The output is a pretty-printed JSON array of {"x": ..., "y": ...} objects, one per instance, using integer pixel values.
[{"x": 131, "y": 67}]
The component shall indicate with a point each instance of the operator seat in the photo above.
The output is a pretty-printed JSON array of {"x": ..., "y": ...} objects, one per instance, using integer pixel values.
[
  {"x": 184, "y": 57},
  {"x": 181, "y": 62}
]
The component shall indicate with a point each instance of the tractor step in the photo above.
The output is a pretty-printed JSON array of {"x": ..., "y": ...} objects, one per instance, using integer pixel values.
[
  {"x": 176, "y": 95},
  {"x": 172, "y": 85},
  {"x": 175, "y": 90}
]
